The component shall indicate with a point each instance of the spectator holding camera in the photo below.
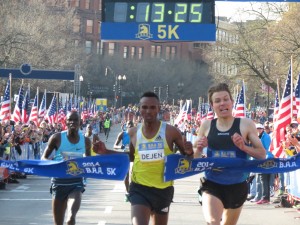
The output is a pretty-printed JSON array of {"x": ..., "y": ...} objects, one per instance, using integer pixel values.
[{"x": 292, "y": 145}]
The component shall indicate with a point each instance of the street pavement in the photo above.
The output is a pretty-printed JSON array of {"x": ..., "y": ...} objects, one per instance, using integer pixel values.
[{"x": 29, "y": 202}]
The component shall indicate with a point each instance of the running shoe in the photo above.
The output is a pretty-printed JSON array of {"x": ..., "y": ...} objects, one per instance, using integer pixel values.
[
  {"x": 263, "y": 201},
  {"x": 254, "y": 200}
]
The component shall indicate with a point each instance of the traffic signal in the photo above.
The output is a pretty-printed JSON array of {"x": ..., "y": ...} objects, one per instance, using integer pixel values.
[
  {"x": 114, "y": 87},
  {"x": 167, "y": 90},
  {"x": 119, "y": 89},
  {"x": 155, "y": 90}
]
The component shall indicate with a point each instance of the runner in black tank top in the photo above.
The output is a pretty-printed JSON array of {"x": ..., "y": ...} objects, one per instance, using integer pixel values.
[{"x": 223, "y": 194}]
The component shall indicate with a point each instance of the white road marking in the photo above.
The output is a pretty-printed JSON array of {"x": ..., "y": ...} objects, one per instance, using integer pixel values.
[
  {"x": 108, "y": 209},
  {"x": 119, "y": 188},
  {"x": 101, "y": 222}
]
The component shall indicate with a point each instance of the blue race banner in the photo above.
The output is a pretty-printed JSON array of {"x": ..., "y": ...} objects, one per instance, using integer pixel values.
[
  {"x": 109, "y": 167},
  {"x": 178, "y": 166}
]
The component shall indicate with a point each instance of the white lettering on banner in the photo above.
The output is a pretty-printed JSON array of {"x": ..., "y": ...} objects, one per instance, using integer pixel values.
[
  {"x": 12, "y": 166},
  {"x": 287, "y": 164},
  {"x": 111, "y": 171},
  {"x": 28, "y": 170},
  {"x": 94, "y": 170},
  {"x": 87, "y": 164},
  {"x": 201, "y": 166},
  {"x": 151, "y": 155}
]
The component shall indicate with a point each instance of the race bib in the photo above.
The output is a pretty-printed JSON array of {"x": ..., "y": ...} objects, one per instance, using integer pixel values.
[
  {"x": 223, "y": 154},
  {"x": 150, "y": 152}
]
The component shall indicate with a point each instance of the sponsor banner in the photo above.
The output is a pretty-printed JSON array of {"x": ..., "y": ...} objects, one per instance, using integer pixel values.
[
  {"x": 178, "y": 166},
  {"x": 109, "y": 167}
]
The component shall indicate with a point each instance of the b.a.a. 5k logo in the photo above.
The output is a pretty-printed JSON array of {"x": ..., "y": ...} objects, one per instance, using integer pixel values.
[
  {"x": 144, "y": 32},
  {"x": 184, "y": 166},
  {"x": 73, "y": 168}
]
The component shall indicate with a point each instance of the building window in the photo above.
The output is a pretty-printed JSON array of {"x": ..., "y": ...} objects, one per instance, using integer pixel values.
[
  {"x": 141, "y": 53},
  {"x": 133, "y": 52},
  {"x": 125, "y": 52},
  {"x": 173, "y": 52},
  {"x": 158, "y": 51},
  {"x": 76, "y": 27},
  {"x": 155, "y": 51},
  {"x": 77, "y": 3},
  {"x": 88, "y": 47},
  {"x": 100, "y": 5},
  {"x": 98, "y": 47},
  {"x": 101, "y": 47},
  {"x": 111, "y": 48},
  {"x": 89, "y": 26},
  {"x": 87, "y": 4},
  {"x": 168, "y": 52}
]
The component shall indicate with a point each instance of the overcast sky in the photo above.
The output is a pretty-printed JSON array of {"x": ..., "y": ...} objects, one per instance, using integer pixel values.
[{"x": 228, "y": 9}]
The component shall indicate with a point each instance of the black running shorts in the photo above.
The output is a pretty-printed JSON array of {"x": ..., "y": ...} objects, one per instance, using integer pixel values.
[
  {"x": 159, "y": 200},
  {"x": 232, "y": 196}
]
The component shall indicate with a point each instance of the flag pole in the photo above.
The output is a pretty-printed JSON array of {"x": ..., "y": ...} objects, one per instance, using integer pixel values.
[
  {"x": 292, "y": 91},
  {"x": 244, "y": 97},
  {"x": 37, "y": 99},
  {"x": 278, "y": 89},
  {"x": 10, "y": 78}
]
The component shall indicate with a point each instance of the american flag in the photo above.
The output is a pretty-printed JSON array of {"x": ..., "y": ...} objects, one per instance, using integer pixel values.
[
  {"x": 69, "y": 105},
  {"x": 183, "y": 113},
  {"x": 284, "y": 118},
  {"x": 42, "y": 109},
  {"x": 25, "y": 108},
  {"x": 92, "y": 108},
  {"x": 188, "y": 111},
  {"x": 210, "y": 113},
  {"x": 84, "y": 112},
  {"x": 296, "y": 99},
  {"x": 180, "y": 115},
  {"x": 240, "y": 104},
  {"x": 17, "y": 114},
  {"x": 235, "y": 103},
  {"x": 34, "y": 111},
  {"x": 203, "y": 111},
  {"x": 61, "y": 117},
  {"x": 199, "y": 113},
  {"x": 5, "y": 105},
  {"x": 51, "y": 113}
]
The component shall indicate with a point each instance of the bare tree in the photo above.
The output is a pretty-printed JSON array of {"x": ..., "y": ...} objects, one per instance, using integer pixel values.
[
  {"x": 34, "y": 33},
  {"x": 264, "y": 45}
]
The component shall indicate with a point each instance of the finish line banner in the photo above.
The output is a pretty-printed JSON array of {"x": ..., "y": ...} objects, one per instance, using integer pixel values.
[
  {"x": 109, "y": 167},
  {"x": 178, "y": 166}
]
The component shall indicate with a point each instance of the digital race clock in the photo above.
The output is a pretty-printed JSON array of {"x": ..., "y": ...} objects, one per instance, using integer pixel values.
[{"x": 186, "y": 20}]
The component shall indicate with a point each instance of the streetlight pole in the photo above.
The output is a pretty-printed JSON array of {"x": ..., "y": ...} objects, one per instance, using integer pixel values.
[
  {"x": 159, "y": 92},
  {"x": 120, "y": 77},
  {"x": 108, "y": 69},
  {"x": 180, "y": 89},
  {"x": 76, "y": 80},
  {"x": 79, "y": 85}
]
